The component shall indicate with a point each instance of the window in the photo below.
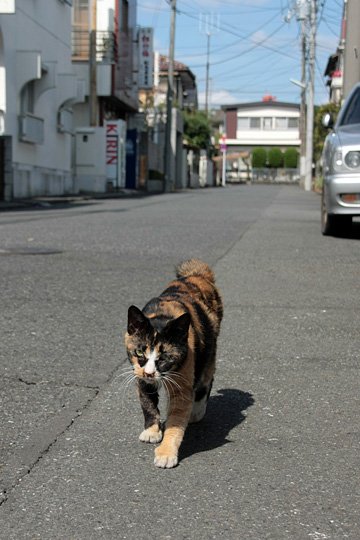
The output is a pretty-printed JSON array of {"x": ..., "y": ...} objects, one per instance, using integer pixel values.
[
  {"x": 81, "y": 14},
  {"x": 293, "y": 123},
  {"x": 255, "y": 123},
  {"x": 281, "y": 123},
  {"x": 80, "y": 29},
  {"x": 352, "y": 113},
  {"x": 286, "y": 123},
  {"x": 243, "y": 123},
  {"x": 267, "y": 123}
]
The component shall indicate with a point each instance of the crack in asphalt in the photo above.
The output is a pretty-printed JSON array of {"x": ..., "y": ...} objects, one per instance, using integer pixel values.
[
  {"x": 66, "y": 418},
  {"x": 9, "y": 486}
]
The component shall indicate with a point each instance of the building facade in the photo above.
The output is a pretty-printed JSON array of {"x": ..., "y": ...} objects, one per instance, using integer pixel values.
[
  {"x": 266, "y": 123},
  {"x": 37, "y": 90},
  {"x": 153, "y": 107},
  {"x": 106, "y": 134},
  {"x": 67, "y": 80}
]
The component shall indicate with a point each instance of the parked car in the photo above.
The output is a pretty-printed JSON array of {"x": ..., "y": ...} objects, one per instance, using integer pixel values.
[{"x": 340, "y": 200}]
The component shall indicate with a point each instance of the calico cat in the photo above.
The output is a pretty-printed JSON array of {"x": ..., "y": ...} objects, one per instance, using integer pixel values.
[{"x": 172, "y": 343}]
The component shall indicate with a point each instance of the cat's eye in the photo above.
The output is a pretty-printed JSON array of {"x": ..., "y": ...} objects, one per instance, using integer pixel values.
[{"x": 139, "y": 353}]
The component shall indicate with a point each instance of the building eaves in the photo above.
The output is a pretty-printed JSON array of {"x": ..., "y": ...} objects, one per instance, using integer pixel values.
[
  {"x": 182, "y": 71},
  {"x": 261, "y": 105}
]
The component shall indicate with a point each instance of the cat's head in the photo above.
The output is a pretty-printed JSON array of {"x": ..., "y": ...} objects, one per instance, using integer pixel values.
[{"x": 156, "y": 351}]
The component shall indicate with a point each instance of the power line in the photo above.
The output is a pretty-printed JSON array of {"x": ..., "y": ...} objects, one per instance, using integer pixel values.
[{"x": 259, "y": 44}]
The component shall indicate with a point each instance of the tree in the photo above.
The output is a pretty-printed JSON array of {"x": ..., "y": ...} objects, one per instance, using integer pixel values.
[
  {"x": 319, "y": 131},
  {"x": 197, "y": 129}
]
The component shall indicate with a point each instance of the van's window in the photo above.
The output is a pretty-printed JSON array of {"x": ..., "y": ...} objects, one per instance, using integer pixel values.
[{"x": 352, "y": 111}]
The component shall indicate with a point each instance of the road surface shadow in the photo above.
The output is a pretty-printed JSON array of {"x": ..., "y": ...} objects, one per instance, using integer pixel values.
[{"x": 225, "y": 411}]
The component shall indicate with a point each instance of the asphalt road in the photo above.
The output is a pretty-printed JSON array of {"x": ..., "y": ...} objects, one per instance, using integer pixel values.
[{"x": 276, "y": 457}]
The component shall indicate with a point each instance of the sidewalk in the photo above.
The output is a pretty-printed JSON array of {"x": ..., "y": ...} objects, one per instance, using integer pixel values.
[{"x": 46, "y": 202}]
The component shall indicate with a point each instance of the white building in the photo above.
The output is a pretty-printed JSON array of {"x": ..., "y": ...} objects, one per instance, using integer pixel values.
[
  {"x": 267, "y": 123},
  {"x": 37, "y": 89}
]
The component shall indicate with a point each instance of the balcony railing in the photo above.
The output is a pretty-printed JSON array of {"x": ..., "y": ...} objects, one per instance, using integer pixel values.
[
  {"x": 106, "y": 46},
  {"x": 31, "y": 129}
]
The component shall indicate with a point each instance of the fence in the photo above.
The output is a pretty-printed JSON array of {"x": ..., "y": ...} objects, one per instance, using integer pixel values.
[{"x": 275, "y": 176}]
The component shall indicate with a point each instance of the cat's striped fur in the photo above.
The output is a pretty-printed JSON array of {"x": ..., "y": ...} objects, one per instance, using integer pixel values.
[{"x": 172, "y": 342}]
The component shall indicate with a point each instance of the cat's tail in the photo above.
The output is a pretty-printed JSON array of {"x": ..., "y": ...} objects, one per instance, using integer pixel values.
[{"x": 195, "y": 267}]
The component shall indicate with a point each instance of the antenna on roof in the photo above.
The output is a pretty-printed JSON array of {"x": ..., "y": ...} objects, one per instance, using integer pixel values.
[{"x": 209, "y": 24}]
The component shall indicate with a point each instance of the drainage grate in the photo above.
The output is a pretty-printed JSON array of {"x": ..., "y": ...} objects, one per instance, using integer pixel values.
[{"x": 29, "y": 251}]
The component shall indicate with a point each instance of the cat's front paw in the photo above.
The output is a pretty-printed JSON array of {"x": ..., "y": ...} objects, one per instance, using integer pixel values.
[
  {"x": 151, "y": 435},
  {"x": 164, "y": 460}
]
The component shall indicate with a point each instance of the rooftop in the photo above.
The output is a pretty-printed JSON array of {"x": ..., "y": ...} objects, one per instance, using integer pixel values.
[{"x": 262, "y": 104}]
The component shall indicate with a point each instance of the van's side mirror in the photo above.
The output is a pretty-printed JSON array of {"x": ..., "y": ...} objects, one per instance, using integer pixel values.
[{"x": 327, "y": 121}]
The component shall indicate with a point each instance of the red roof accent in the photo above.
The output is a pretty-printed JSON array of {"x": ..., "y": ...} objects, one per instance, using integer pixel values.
[{"x": 268, "y": 97}]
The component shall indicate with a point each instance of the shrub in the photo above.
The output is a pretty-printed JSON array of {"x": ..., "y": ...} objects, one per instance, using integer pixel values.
[
  {"x": 259, "y": 158},
  {"x": 197, "y": 129},
  {"x": 155, "y": 175},
  {"x": 291, "y": 157},
  {"x": 275, "y": 158}
]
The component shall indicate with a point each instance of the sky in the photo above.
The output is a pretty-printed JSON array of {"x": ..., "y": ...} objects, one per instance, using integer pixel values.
[{"x": 254, "y": 45}]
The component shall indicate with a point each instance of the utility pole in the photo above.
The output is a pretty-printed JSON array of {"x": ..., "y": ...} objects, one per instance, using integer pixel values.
[
  {"x": 207, "y": 73},
  {"x": 302, "y": 12},
  {"x": 310, "y": 96},
  {"x": 169, "y": 181},
  {"x": 92, "y": 65}
]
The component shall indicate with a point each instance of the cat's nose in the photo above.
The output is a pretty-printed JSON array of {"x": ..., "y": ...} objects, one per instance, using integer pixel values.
[{"x": 150, "y": 366}]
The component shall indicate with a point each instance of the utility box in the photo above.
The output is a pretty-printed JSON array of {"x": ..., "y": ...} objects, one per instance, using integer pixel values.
[{"x": 90, "y": 159}]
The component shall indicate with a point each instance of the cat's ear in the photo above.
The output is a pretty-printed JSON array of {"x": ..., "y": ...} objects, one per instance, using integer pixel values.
[
  {"x": 137, "y": 322},
  {"x": 177, "y": 330}
]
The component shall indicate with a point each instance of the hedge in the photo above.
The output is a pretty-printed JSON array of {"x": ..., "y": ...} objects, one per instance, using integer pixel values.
[
  {"x": 259, "y": 158},
  {"x": 291, "y": 158},
  {"x": 275, "y": 158}
]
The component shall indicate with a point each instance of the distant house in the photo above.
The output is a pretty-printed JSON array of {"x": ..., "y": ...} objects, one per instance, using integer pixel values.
[{"x": 268, "y": 123}]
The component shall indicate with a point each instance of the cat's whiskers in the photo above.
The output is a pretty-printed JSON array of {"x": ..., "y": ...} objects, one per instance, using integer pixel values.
[
  {"x": 125, "y": 383},
  {"x": 128, "y": 381},
  {"x": 178, "y": 375},
  {"x": 165, "y": 386},
  {"x": 173, "y": 385}
]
